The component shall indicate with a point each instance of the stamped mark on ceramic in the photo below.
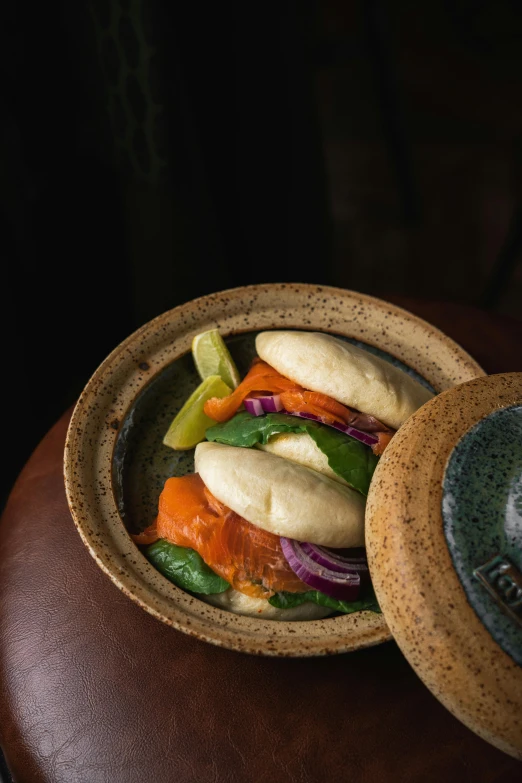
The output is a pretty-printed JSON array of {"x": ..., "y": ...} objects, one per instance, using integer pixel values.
[{"x": 504, "y": 582}]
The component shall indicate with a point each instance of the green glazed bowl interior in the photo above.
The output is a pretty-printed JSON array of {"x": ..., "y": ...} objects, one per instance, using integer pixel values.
[{"x": 116, "y": 464}]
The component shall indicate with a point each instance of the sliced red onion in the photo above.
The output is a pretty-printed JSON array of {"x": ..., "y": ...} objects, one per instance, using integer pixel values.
[
  {"x": 343, "y": 586},
  {"x": 272, "y": 404},
  {"x": 334, "y": 561},
  {"x": 311, "y": 416},
  {"x": 253, "y": 406},
  {"x": 364, "y": 437}
]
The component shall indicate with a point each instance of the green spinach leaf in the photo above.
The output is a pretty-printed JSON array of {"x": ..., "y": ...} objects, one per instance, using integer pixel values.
[
  {"x": 185, "y": 568},
  {"x": 347, "y": 457},
  {"x": 288, "y": 600}
]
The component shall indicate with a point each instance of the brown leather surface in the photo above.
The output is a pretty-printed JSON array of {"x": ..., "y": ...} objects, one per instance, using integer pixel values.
[{"x": 94, "y": 690}]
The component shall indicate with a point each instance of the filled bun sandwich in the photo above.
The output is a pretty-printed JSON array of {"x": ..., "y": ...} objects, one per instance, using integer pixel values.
[
  {"x": 245, "y": 512},
  {"x": 271, "y": 522},
  {"x": 319, "y": 401}
]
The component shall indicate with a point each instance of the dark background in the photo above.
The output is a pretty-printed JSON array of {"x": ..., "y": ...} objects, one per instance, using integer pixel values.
[{"x": 151, "y": 152}]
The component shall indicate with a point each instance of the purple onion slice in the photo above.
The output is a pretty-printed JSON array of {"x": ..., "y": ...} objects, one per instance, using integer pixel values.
[
  {"x": 271, "y": 403},
  {"x": 253, "y": 406},
  {"x": 342, "y": 586},
  {"x": 332, "y": 560},
  {"x": 365, "y": 437}
]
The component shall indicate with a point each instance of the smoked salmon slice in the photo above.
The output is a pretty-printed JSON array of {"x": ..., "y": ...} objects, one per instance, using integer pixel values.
[
  {"x": 330, "y": 411},
  {"x": 263, "y": 379},
  {"x": 384, "y": 439},
  {"x": 260, "y": 378},
  {"x": 250, "y": 559}
]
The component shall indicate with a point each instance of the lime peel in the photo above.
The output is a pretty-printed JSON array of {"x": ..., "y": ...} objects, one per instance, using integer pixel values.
[
  {"x": 212, "y": 357},
  {"x": 190, "y": 423}
]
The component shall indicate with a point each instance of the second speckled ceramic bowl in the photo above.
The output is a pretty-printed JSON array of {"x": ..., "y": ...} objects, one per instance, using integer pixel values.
[
  {"x": 444, "y": 541},
  {"x": 115, "y": 464}
]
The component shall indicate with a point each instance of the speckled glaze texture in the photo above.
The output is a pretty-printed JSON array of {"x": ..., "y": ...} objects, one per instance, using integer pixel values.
[
  {"x": 418, "y": 588},
  {"x": 105, "y": 407},
  {"x": 482, "y": 515}
]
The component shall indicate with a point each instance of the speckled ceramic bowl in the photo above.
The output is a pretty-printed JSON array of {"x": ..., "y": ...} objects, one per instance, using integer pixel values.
[
  {"x": 115, "y": 463},
  {"x": 444, "y": 541}
]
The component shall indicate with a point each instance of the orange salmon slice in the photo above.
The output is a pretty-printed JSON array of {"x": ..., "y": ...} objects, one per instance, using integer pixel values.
[
  {"x": 264, "y": 379},
  {"x": 250, "y": 559}
]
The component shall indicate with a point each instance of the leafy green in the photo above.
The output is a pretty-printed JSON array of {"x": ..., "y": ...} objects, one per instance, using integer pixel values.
[
  {"x": 184, "y": 567},
  {"x": 187, "y": 570},
  {"x": 289, "y": 600},
  {"x": 347, "y": 457}
]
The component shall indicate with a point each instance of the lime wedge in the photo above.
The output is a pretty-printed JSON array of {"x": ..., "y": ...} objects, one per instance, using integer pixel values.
[
  {"x": 212, "y": 357},
  {"x": 189, "y": 425}
]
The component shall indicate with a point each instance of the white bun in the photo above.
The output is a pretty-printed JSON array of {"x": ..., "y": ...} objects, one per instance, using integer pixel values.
[
  {"x": 351, "y": 375},
  {"x": 237, "y": 602},
  {"x": 282, "y": 497},
  {"x": 301, "y": 448}
]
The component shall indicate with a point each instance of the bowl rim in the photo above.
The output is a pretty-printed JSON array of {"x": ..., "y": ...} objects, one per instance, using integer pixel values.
[{"x": 137, "y": 360}]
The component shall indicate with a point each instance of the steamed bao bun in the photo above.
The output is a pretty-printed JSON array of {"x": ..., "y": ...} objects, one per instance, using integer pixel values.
[
  {"x": 239, "y": 603},
  {"x": 282, "y": 497},
  {"x": 350, "y": 375}
]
